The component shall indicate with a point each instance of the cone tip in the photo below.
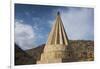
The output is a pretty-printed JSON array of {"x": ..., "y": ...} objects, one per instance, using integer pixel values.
[{"x": 58, "y": 13}]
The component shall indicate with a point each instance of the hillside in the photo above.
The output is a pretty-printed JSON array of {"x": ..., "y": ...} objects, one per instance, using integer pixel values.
[
  {"x": 21, "y": 57},
  {"x": 83, "y": 50}
]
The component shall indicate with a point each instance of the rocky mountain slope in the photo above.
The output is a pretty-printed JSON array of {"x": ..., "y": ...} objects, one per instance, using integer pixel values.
[{"x": 83, "y": 51}]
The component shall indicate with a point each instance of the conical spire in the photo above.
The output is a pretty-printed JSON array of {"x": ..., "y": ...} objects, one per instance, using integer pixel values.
[
  {"x": 57, "y": 34},
  {"x": 55, "y": 49}
]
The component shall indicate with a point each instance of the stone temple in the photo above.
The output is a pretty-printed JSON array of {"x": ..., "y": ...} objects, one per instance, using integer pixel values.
[{"x": 57, "y": 48}]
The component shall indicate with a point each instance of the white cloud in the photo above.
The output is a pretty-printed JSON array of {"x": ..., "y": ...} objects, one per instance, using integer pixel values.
[
  {"x": 78, "y": 23},
  {"x": 24, "y": 35}
]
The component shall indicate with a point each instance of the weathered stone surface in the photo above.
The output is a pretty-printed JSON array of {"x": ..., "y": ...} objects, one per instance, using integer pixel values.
[
  {"x": 56, "y": 48},
  {"x": 83, "y": 51}
]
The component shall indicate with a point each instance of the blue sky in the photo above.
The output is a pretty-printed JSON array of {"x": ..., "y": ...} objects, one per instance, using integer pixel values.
[{"x": 34, "y": 22}]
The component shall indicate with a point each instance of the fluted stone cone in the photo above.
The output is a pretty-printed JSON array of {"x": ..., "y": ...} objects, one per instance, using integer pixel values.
[
  {"x": 55, "y": 49},
  {"x": 57, "y": 34}
]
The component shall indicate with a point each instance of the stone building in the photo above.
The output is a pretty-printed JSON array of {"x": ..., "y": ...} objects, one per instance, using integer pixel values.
[{"x": 57, "y": 48}]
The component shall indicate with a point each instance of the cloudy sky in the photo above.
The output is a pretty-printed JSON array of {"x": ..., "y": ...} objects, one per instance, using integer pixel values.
[{"x": 34, "y": 22}]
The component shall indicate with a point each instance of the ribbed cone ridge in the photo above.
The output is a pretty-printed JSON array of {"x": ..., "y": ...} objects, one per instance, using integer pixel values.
[{"x": 57, "y": 34}]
